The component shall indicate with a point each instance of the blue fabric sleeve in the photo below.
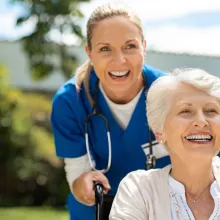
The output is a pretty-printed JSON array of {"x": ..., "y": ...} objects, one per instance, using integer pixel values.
[{"x": 68, "y": 136}]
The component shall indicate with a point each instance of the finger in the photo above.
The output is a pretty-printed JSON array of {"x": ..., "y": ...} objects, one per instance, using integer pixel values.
[
  {"x": 105, "y": 191},
  {"x": 100, "y": 177}
]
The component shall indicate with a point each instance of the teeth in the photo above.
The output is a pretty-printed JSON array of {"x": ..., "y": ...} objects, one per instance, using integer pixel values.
[
  {"x": 199, "y": 137},
  {"x": 119, "y": 73}
]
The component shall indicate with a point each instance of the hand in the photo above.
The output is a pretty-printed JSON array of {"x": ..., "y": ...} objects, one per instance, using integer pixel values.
[{"x": 83, "y": 186}]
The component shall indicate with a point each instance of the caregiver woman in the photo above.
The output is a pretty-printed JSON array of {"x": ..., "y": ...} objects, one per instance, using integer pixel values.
[{"x": 114, "y": 81}]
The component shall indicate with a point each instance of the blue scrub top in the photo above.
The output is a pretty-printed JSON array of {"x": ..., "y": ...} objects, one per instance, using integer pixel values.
[{"x": 69, "y": 112}]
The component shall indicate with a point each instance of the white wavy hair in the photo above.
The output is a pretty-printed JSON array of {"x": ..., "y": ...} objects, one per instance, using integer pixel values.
[{"x": 157, "y": 96}]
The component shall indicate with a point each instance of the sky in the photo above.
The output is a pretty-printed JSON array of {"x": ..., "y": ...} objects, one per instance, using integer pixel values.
[{"x": 176, "y": 26}]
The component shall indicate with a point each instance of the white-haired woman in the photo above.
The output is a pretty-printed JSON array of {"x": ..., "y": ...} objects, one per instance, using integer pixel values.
[{"x": 183, "y": 111}]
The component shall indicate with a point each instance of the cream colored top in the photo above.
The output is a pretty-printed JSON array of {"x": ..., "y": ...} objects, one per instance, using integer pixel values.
[
  {"x": 179, "y": 206},
  {"x": 144, "y": 195}
]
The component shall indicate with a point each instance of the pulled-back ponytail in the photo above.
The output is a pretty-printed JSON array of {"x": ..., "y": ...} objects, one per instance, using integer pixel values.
[{"x": 82, "y": 76}]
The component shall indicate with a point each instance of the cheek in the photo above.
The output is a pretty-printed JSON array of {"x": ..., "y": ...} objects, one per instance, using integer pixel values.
[
  {"x": 215, "y": 125},
  {"x": 100, "y": 66},
  {"x": 176, "y": 128},
  {"x": 136, "y": 62}
]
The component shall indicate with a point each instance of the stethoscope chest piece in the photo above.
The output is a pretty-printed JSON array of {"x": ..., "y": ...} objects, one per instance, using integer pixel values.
[{"x": 150, "y": 162}]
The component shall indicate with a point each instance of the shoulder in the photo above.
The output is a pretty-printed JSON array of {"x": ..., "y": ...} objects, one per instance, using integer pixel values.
[
  {"x": 68, "y": 102},
  {"x": 138, "y": 176},
  {"x": 141, "y": 174},
  {"x": 67, "y": 90},
  {"x": 145, "y": 180},
  {"x": 152, "y": 73},
  {"x": 68, "y": 97}
]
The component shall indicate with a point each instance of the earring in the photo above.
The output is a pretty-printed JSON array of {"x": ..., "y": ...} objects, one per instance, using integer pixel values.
[
  {"x": 91, "y": 63},
  {"x": 162, "y": 141}
]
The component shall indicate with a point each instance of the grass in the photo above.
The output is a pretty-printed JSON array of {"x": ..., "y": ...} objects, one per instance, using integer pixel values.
[{"x": 32, "y": 214}]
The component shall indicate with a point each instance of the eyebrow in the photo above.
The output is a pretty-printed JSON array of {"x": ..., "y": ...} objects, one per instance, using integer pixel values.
[
  {"x": 185, "y": 103},
  {"x": 190, "y": 104},
  {"x": 128, "y": 41}
]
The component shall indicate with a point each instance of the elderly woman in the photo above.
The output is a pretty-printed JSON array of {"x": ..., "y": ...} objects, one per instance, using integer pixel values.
[{"x": 183, "y": 111}]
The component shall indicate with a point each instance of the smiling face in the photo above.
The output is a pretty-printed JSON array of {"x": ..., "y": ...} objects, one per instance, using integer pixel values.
[
  {"x": 117, "y": 53},
  {"x": 192, "y": 126}
]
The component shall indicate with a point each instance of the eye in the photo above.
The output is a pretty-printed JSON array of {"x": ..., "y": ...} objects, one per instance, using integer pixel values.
[
  {"x": 105, "y": 49},
  {"x": 211, "y": 111},
  {"x": 185, "y": 111},
  {"x": 131, "y": 46}
]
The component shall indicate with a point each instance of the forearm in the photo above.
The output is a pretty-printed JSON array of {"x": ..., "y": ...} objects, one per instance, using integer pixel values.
[{"x": 74, "y": 167}]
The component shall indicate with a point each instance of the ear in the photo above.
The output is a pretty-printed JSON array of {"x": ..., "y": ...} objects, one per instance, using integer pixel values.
[
  {"x": 88, "y": 51},
  {"x": 144, "y": 48},
  {"x": 145, "y": 45},
  {"x": 159, "y": 136}
]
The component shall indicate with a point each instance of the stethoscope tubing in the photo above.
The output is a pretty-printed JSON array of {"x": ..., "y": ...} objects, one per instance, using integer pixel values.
[
  {"x": 98, "y": 187},
  {"x": 108, "y": 138},
  {"x": 97, "y": 113}
]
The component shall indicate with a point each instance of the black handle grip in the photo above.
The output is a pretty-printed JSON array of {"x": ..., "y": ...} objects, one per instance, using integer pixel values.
[{"x": 99, "y": 190}]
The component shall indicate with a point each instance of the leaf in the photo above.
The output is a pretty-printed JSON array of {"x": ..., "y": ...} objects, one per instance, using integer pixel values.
[
  {"x": 41, "y": 70},
  {"x": 77, "y": 30},
  {"x": 21, "y": 20},
  {"x": 39, "y": 44}
]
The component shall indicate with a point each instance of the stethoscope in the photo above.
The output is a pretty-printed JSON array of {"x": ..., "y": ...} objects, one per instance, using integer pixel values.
[
  {"x": 150, "y": 158},
  {"x": 98, "y": 187}
]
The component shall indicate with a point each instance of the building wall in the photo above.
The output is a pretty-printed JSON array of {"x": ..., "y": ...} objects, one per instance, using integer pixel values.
[
  {"x": 13, "y": 56},
  {"x": 169, "y": 62},
  {"x": 15, "y": 59}
]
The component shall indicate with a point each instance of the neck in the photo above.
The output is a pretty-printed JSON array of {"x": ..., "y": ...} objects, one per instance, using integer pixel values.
[
  {"x": 196, "y": 176},
  {"x": 124, "y": 96}
]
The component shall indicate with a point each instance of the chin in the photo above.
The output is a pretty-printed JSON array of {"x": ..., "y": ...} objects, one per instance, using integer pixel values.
[{"x": 202, "y": 154}]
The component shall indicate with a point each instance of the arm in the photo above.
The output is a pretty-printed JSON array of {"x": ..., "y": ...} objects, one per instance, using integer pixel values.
[
  {"x": 74, "y": 167},
  {"x": 70, "y": 144},
  {"x": 129, "y": 202},
  {"x": 68, "y": 135}
]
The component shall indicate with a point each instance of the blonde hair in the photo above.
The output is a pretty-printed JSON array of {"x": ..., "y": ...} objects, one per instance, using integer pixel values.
[
  {"x": 157, "y": 105},
  {"x": 101, "y": 13}
]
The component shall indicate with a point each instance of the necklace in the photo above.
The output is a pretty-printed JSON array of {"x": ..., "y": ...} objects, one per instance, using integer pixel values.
[{"x": 197, "y": 199}]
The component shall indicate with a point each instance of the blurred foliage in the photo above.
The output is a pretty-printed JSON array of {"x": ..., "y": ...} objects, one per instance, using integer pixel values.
[
  {"x": 31, "y": 174},
  {"x": 32, "y": 214},
  {"x": 53, "y": 19}
]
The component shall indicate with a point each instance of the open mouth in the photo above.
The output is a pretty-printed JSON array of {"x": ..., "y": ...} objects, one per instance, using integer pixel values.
[
  {"x": 119, "y": 75},
  {"x": 199, "y": 138}
]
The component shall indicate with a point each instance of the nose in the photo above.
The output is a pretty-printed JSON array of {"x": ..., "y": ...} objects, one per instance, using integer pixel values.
[
  {"x": 200, "y": 120},
  {"x": 119, "y": 58}
]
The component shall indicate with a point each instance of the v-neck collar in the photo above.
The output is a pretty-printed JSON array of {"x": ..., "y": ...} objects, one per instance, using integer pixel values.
[
  {"x": 105, "y": 110},
  {"x": 165, "y": 187},
  {"x": 166, "y": 171}
]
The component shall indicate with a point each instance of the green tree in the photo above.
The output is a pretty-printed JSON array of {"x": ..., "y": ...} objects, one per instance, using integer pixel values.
[
  {"x": 31, "y": 174},
  {"x": 51, "y": 17}
]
